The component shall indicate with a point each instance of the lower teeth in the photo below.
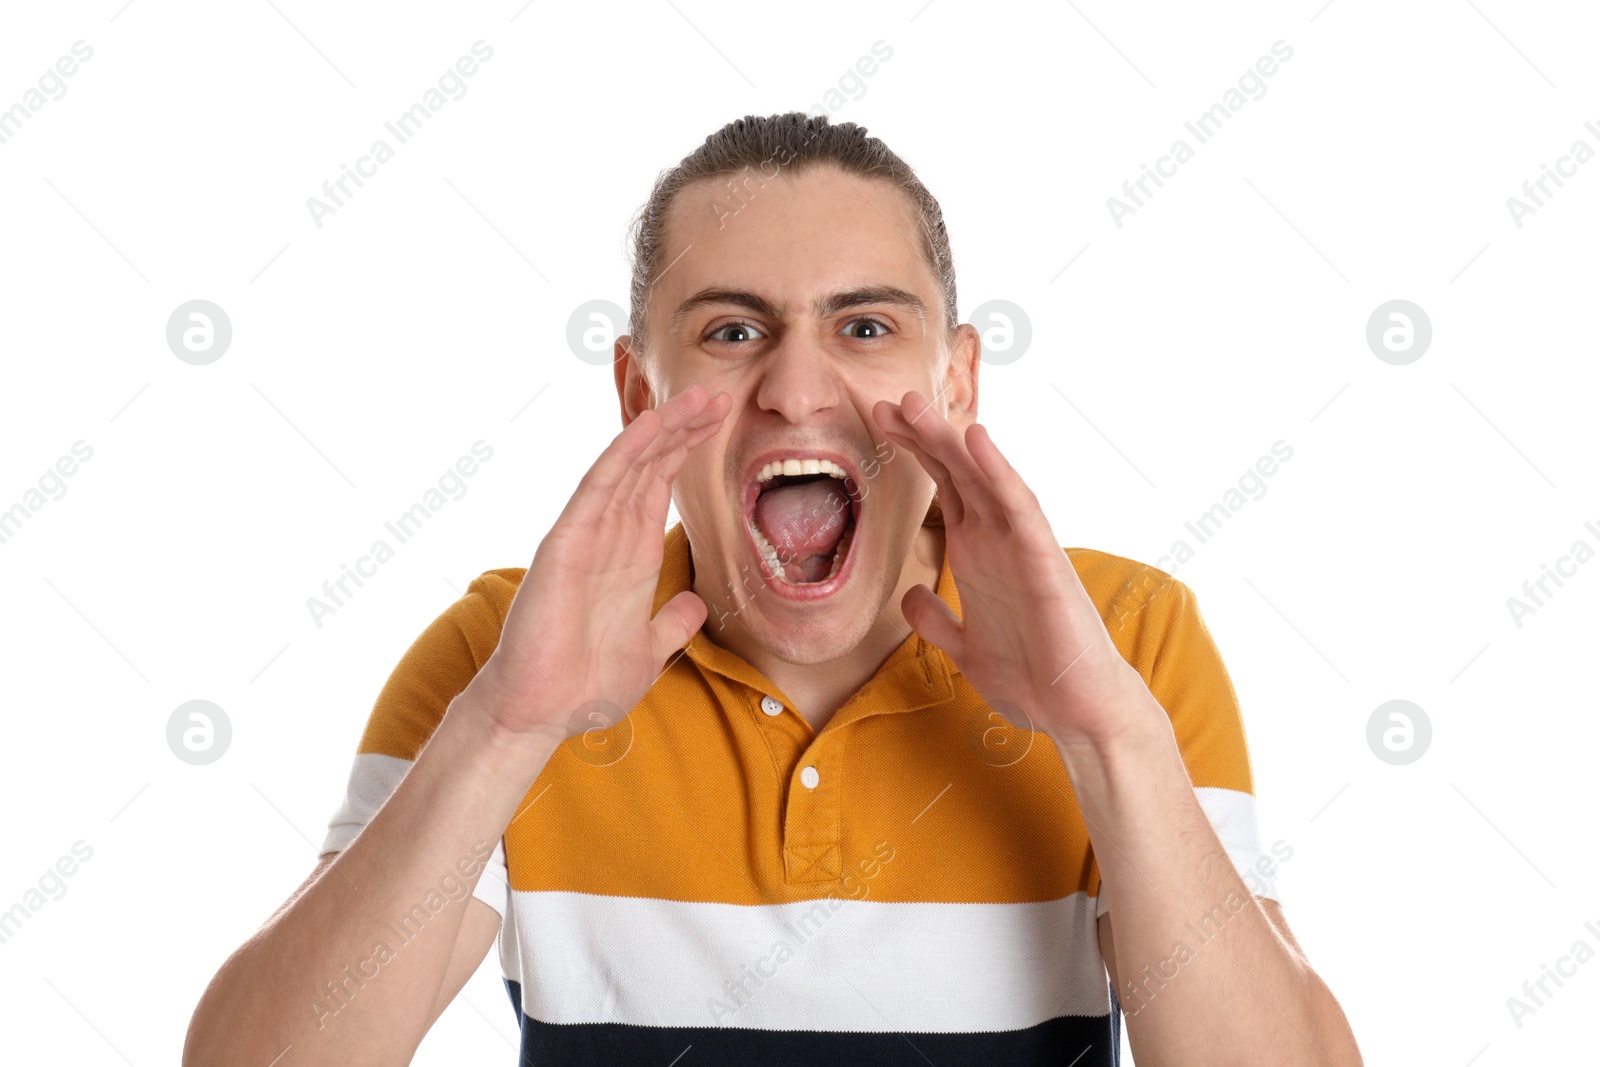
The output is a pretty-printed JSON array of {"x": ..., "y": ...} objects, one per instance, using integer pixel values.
[{"x": 775, "y": 563}]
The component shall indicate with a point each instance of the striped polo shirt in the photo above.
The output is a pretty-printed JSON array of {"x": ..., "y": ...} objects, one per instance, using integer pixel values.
[{"x": 712, "y": 879}]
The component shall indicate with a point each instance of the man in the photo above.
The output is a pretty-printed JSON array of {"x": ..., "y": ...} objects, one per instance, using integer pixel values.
[{"x": 899, "y": 780}]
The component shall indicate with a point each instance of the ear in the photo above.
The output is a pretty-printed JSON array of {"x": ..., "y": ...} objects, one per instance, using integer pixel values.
[
  {"x": 960, "y": 385},
  {"x": 633, "y": 388}
]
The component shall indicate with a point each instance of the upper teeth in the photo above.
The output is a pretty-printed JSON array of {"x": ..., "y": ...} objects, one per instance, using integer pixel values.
[{"x": 799, "y": 466}]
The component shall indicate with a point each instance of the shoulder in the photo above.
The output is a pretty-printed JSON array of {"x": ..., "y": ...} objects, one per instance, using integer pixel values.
[
  {"x": 1120, "y": 587},
  {"x": 494, "y": 589},
  {"x": 1153, "y": 618},
  {"x": 501, "y": 579},
  {"x": 502, "y": 582}
]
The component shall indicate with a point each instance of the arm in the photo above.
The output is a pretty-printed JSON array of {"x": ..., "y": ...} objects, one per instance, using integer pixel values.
[
  {"x": 1247, "y": 994},
  {"x": 1143, "y": 989},
  {"x": 272, "y": 993},
  {"x": 479, "y": 928},
  {"x": 1031, "y": 637},
  {"x": 337, "y": 973}
]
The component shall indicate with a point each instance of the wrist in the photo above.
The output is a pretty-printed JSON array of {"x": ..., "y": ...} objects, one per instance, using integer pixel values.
[
  {"x": 475, "y": 722},
  {"x": 1132, "y": 725}
]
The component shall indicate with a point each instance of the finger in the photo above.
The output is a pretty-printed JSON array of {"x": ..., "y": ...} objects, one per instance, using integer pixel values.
[
  {"x": 682, "y": 417},
  {"x": 1006, "y": 484},
  {"x": 944, "y": 442},
  {"x": 653, "y": 490},
  {"x": 690, "y": 427},
  {"x": 934, "y": 621},
  {"x": 948, "y": 444},
  {"x": 605, "y": 489},
  {"x": 892, "y": 420},
  {"x": 599, "y": 484},
  {"x": 675, "y": 624},
  {"x": 675, "y": 413},
  {"x": 894, "y": 425}
]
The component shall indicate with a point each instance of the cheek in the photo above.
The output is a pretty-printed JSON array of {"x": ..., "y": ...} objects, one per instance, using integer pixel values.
[
  {"x": 703, "y": 486},
  {"x": 698, "y": 485}
]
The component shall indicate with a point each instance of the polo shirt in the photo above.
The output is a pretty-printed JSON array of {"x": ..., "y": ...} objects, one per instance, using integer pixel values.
[{"x": 711, "y": 881}]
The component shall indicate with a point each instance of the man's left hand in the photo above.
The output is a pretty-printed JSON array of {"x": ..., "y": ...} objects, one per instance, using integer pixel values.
[{"x": 1029, "y": 634}]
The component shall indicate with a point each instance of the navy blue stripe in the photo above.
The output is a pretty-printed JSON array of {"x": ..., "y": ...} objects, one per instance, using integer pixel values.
[{"x": 1078, "y": 1040}]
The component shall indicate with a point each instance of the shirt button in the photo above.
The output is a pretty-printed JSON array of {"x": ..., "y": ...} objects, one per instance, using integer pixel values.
[
  {"x": 809, "y": 778},
  {"x": 771, "y": 706}
]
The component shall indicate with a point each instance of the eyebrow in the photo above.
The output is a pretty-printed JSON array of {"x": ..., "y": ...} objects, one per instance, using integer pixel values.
[{"x": 825, "y": 306}]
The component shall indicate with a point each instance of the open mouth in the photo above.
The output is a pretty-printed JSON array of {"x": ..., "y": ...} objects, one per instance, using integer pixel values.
[{"x": 802, "y": 513}]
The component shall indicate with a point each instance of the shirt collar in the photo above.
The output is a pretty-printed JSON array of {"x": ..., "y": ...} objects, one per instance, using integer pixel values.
[{"x": 916, "y": 675}]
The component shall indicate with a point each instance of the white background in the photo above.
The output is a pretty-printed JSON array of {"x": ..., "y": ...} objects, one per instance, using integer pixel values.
[{"x": 1226, "y": 314}]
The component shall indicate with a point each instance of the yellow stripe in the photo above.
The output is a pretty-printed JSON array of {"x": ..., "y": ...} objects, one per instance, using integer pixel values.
[{"x": 924, "y": 794}]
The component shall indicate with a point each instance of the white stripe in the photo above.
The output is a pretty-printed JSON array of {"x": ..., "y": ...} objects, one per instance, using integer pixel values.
[
  {"x": 852, "y": 965},
  {"x": 1232, "y": 814},
  {"x": 373, "y": 777}
]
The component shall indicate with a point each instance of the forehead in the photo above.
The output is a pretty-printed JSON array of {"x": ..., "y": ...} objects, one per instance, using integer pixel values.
[{"x": 791, "y": 237}]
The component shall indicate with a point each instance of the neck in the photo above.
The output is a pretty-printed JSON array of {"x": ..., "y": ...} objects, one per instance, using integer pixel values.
[{"x": 820, "y": 689}]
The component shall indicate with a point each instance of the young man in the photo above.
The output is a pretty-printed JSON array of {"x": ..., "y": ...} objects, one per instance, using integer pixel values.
[{"x": 853, "y": 765}]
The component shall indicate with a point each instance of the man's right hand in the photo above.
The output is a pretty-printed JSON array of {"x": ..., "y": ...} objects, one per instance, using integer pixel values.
[{"x": 579, "y": 629}]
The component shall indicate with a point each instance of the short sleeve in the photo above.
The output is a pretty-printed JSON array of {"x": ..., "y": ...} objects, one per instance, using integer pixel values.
[
  {"x": 1167, "y": 641},
  {"x": 434, "y": 669}
]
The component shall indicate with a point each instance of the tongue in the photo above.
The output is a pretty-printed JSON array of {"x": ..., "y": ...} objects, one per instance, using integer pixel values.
[{"x": 804, "y": 520}]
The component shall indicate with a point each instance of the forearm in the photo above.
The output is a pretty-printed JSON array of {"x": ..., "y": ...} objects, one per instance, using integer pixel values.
[
  {"x": 348, "y": 972},
  {"x": 1203, "y": 976}
]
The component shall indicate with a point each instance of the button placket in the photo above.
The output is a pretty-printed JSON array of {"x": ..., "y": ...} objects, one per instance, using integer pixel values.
[{"x": 811, "y": 819}]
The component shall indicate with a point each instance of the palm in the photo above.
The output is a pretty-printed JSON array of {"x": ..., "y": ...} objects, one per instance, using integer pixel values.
[
  {"x": 579, "y": 630},
  {"x": 1029, "y": 635}
]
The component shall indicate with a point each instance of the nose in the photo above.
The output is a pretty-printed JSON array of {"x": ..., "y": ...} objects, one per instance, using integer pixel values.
[{"x": 798, "y": 378}]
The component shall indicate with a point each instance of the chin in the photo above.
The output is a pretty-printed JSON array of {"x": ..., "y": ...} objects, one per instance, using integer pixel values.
[{"x": 819, "y": 637}]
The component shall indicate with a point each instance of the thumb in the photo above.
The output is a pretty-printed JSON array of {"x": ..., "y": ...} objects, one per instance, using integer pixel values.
[
  {"x": 933, "y": 620},
  {"x": 675, "y": 624}
]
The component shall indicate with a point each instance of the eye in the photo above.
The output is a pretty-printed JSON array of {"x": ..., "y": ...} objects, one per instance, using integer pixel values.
[
  {"x": 877, "y": 327},
  {"x": 750, "y": 332}
]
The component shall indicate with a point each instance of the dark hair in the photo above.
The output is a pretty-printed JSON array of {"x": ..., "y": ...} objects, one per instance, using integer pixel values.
[{"x": 794, "y": 142}]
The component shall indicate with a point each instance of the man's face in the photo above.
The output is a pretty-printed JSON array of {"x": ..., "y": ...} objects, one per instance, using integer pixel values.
[{"x": 808, "y": 303}]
